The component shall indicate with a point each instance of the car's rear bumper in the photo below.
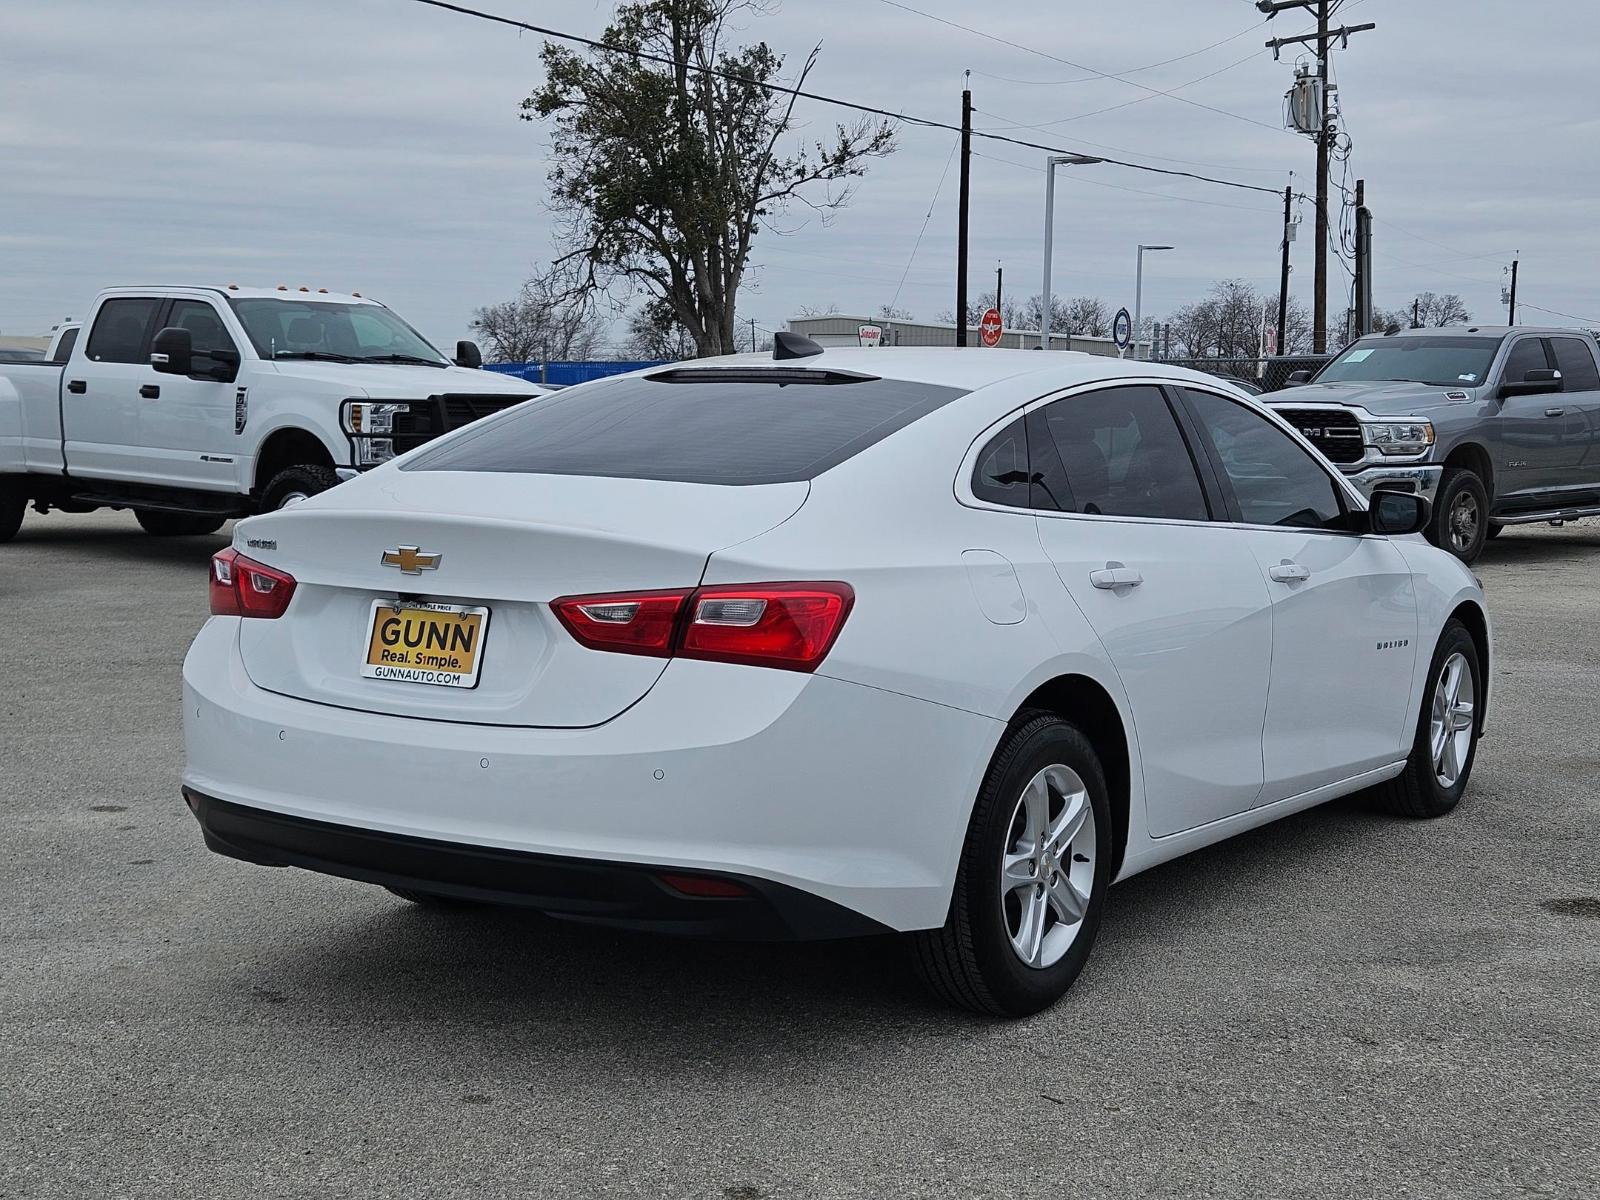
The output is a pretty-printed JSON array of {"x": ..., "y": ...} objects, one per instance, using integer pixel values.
[
  {"x": 626, "y": 895},
  {"x": 856, "y": 796}
]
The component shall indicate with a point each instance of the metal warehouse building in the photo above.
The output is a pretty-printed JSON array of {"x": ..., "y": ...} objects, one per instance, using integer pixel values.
[{"x": 840, "y": 330}]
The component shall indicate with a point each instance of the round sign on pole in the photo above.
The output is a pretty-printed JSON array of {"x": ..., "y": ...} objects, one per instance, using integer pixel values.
[
  {"x": 1122, "y": 328},
  {"x": 990, "y": 327}
]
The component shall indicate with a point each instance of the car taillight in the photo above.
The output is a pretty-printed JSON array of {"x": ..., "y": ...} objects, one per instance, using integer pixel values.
[
  {"x": 242, "y": 587},
  {"x": 791, "y": 626},
  {"x": 626, "y": 622}
]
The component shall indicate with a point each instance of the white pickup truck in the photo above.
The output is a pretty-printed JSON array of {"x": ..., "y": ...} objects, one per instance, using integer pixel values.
[{"x": 191, "y": 405}]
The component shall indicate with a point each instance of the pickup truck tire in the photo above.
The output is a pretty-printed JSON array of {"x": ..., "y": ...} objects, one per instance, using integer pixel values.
[
  {"x": 13, "y": 503},
  {"x": 171, "y": 524},
  {"x": 1425, "y": 788},
  {"x": 1461, "y": 515},
  {"x": 294, "y": 484}
]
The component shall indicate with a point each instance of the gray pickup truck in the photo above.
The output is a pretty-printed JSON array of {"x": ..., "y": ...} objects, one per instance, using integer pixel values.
[{"x": 1496, "y": 426}]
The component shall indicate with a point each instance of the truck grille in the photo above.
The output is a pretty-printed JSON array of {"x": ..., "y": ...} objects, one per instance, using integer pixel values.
[
  {"x": 1336, "y": 433},
  {"x": 440, "y": 414}
]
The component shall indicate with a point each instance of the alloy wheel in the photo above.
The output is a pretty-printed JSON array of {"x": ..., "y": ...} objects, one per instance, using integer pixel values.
[
  {"x": 1464, "y": 522},
  {"x": 1451, "y": 721},
  {"x": 1047, "y": 868}
]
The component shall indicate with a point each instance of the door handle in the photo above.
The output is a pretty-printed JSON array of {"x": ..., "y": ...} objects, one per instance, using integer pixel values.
[
  {"x": 150, "y": 391},
  {"x": 1555, "y": 412},
  {"x": 1116, "y": 575},
  {"x": 1289, "y": 572},
  {"x": 77, "y": 387}
]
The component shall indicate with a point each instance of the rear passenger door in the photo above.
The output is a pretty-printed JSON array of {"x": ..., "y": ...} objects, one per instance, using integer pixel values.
[
  {"x": 1175, "y": 597},
  {"x": 1344, "y": 607},
  {"x": 1581, "y": 396},
  {"x": 100, "y": 402}
]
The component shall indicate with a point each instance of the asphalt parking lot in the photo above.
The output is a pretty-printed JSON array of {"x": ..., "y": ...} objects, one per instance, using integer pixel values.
[{"x": 1338, "y": 1005}]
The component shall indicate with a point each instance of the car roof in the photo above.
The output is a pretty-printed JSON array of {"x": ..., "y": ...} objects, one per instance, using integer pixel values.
[
  {"x": 1486, "y": 332},
  {"x": 238, "y": 292},
  {"x": 969, "y": 368}
]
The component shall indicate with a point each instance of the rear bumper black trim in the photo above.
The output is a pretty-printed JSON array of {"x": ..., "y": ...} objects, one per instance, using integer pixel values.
[{"x": 624, "y": 895}]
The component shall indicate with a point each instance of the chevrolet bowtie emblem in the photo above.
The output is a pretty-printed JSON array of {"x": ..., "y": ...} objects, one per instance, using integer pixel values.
[{"x": 410, "y": 560}]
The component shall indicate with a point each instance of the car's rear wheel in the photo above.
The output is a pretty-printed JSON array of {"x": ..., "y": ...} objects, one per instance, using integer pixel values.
[
  {"x": 171, "y": 524},
  {"x": 1032, "y": 878},
  {"x": 13, "y": 503},
  {"x": 1446, "y": 741},
  {"x": 1461, "y": 515}
]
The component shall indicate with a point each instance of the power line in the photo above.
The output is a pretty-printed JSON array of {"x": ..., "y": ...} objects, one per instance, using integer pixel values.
[
  {"x": 1080, "y": 178},
  {"x": 1131, "y": 70},
  {"x": 1079, "y": 66},
  {"x": 925, "y": 219},
  {"x": 1558, "y": 313},
  {"x": 923, "y": 122}
]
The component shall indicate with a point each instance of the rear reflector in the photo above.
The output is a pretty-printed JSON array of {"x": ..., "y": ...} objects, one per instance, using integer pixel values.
[
  {"x": 242, "y": 587},
  {"x": 706, "y": 887},
  {"x": 790, "y": 626}
]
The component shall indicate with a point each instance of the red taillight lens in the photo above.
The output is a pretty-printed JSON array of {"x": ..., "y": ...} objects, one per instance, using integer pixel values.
[
  {"x": 625, "y": 622},
  {"x": 791, "y": 626},
  {"x": 242, "y": 587},
  {"x": 786, "y": 625}
]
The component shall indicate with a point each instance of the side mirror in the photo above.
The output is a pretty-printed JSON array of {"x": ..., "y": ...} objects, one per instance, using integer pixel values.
[
  {"x": 172, "y": 352},
  {"x": 1397, "y": 513},
  {"x": 1534, "y": 383},
  {"x": 1296, "y": 378},
  {"x": 468, "y": 354}
]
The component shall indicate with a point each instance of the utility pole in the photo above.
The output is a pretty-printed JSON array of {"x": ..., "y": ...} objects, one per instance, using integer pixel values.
[
  {"x": 999, "y": 279},
  {"x": 961, "y": 232},
  {"x": 752, "y": 335},
  {"x": 1325, "y": 133},
  {"x": 1283, "y": 284},
  {"x": 1363, "y": 297},
  {"x": 1512, "y": 302}
]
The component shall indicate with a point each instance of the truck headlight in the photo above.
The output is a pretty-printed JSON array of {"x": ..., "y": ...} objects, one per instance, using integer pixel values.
[
  {"x": 1409, "y": 437},
  {"x": 366, "y": 418}
]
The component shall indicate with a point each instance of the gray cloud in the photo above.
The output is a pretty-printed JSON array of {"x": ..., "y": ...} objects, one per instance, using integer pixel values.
[{"x": 375, "y": 145}]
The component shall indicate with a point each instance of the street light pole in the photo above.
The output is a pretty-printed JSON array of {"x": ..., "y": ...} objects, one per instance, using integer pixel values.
[
  {"x": 1138, "y": 296},
  {"x": 1050, "y": 165}
]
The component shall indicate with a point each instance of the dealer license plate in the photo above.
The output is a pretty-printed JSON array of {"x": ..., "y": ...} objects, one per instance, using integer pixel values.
[{"x": 417, "y": 642}]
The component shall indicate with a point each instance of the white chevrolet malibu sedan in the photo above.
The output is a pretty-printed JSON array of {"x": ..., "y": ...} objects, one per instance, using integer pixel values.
[{"x": 937, "y": 642}]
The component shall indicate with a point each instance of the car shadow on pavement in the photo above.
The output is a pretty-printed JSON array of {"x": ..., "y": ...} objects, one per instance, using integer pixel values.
[
  {"x": 132, "y": 544},
  {"x": 489, "y": 967}
]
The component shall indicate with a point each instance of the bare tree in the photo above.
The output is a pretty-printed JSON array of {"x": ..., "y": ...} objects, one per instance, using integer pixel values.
[
  {"x": 544, "y": 322},
  {"x": 667, "y": 166}
]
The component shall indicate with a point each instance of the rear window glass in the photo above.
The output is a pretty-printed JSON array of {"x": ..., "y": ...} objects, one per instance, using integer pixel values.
[{"x": 679, "y": 426}]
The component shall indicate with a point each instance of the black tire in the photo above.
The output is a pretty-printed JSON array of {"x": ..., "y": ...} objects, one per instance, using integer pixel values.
[
  {"x": 427, "y": 899},
  {"x": 1460, "y": 521},
  {"x": 13, "y": 503},
  {"x": 970, "y": 961},
  {"x": 1495, "y": 530},
  {"x": 1418, "y": 791},
  {"x": 171, "y": 524},
  {"x": 296, "y": 483}
]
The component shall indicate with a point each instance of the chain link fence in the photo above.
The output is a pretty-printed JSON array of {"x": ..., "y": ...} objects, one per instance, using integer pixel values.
[{"x": 1264, "y": 374}]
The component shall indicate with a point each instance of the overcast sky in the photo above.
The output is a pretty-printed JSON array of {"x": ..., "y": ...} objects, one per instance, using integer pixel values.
[{"x": 375, "y": 145}]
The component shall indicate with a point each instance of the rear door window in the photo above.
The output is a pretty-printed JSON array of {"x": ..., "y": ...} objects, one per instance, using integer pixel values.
[
  {"x": 1114, "y": 452},
  {"x": 1575, "y": 361},
  {"x": 122, "y": 330},
  {"x": 694, "y": 425}
]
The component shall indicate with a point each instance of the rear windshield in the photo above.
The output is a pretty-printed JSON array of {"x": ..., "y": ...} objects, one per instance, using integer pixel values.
[{"x": 684, "y": 426}]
